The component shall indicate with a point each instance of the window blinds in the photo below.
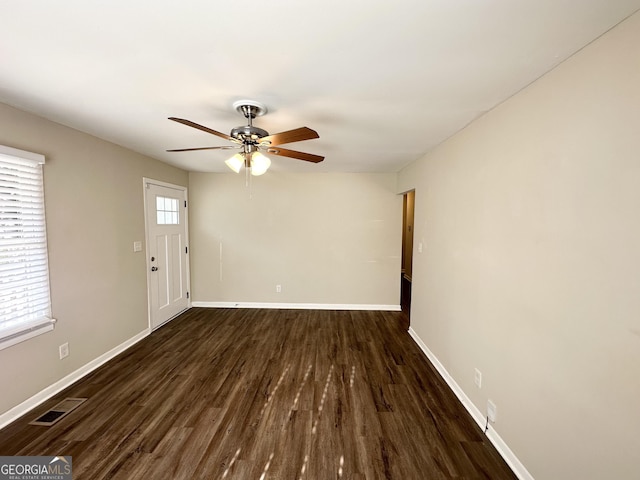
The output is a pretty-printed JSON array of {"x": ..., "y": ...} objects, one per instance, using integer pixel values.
[{"x": 25, "y": 305}]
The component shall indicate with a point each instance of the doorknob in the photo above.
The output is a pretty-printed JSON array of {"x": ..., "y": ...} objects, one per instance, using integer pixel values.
[{"x": 154, "y": 269}]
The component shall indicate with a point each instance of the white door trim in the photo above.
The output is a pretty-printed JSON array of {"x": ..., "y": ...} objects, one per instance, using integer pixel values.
[{"x": 150, "y": 181}]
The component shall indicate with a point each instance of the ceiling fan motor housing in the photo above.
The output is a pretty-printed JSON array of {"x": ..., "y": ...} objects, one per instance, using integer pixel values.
[{"x": 248, "y": 132}]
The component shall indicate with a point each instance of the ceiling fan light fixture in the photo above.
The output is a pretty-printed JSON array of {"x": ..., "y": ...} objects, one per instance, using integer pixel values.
[
  {"x": 235, "y": 163},
  {"x": 259, "y": 163}
]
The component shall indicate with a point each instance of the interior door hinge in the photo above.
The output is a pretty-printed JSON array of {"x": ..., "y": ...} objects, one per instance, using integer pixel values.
[
  {"x": 187, "y": 294},
  {"x": 186, "y": 250},
  {"x": 185, "y": 204}
]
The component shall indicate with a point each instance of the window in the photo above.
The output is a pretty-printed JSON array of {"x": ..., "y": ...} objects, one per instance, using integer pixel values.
[
  {"x": 25, "y": 304},
  {"x": 167, "y": 211}
]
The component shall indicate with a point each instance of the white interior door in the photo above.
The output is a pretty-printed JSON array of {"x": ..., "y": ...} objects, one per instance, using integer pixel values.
[{"x": 167, "y": 251}]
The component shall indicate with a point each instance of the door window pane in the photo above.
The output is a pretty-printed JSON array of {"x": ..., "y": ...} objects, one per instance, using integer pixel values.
[{"x": 167, "y": 211}]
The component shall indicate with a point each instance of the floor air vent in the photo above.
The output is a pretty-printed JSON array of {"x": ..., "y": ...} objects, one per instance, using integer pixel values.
[{"x": 58, "y": 412}]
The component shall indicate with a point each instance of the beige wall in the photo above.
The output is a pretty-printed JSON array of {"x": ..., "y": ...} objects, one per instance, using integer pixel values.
[
  {"x": 94, "y": 208},
  {"x": 530, "y": 220},
  {"x": 326, "y": 238}
]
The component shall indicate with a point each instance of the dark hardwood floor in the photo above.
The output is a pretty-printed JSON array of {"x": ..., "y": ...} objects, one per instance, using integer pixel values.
[{"x": 266, "y": 394}]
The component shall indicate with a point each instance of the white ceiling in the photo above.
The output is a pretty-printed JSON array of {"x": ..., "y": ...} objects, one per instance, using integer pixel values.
[{"x": 381, "y": 81}]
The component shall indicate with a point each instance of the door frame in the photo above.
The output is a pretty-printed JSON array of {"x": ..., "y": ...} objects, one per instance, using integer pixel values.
[
  {"x": 146, "y": 181},
  {"x": 408, "y": 231}
]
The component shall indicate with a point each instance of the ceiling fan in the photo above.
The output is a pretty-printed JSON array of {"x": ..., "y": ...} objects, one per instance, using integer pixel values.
[{"x": 252, "y": 141}]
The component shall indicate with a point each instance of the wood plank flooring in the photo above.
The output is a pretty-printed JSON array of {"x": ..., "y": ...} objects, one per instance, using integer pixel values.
[{"x": 266, "y": 394}]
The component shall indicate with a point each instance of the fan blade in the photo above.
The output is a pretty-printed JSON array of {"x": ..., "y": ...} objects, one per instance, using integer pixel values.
[
  {"x": 307, "y": 157},
  {"x": 189, "y": 123},
  {"x": 201, "y": 148},
  {"x": 290, "y": 136}
]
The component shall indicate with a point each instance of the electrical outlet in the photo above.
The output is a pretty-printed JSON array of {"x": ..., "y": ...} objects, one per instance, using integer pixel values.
[
  {"x": 477, "y": 378},
  {"x": 64, "y": 350},
  {"x": 278, "y": 288},
  {"x": 492, "y": 411}
]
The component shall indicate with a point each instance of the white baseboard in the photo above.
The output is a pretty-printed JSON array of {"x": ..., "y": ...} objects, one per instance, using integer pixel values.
[
  {"x": 503, "y": 449},
  {"x": 40, "y": 397},
  {"x": 298, "y": 306}
]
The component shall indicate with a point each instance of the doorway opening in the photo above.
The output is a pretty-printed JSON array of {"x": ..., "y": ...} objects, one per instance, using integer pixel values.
[{"x": 408, "y": 205}]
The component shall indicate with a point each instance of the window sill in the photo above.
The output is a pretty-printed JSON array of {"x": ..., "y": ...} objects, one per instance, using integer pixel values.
[{"x": 9, "y": 339}]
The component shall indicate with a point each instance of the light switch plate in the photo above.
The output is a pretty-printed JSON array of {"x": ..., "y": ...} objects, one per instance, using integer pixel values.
[
  {"x": 492, "y": 411},
  {"x": 137, "y": 246}
]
